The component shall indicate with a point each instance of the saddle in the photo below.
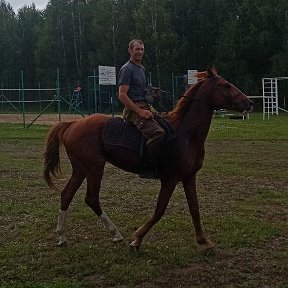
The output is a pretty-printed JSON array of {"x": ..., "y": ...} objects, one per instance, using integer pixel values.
[{"x": 122, "y": 133}]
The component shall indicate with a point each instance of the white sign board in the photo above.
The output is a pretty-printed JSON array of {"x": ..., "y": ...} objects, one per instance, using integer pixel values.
[
  {"x": 192, "y": 79},
  {"x": 107, "y": 75}
]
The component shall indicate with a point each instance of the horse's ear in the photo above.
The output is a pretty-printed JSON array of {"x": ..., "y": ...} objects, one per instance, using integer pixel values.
[{"x": 212, "y": 71}]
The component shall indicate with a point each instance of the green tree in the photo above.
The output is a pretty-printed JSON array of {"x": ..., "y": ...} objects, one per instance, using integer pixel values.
[
  {"x": 112, "y": 27},
  {"x": 62, "y": 43},
  {"x": 28, "y": 21},
  {"x": 246, "y": 39},
  {"x": 249, "y": 40},
  {"x": 9, "y": 59},
  {"x": 154, "y": 27},
  {"x": 279, "y": 60}
]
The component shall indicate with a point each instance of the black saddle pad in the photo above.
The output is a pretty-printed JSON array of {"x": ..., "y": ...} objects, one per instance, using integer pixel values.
[{"x": 118, "y": 132}]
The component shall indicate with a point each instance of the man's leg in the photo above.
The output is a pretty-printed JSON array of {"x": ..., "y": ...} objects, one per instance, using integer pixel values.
[
  {"x": 155, "y": 135},
  {"x": 152, "y": 131}
]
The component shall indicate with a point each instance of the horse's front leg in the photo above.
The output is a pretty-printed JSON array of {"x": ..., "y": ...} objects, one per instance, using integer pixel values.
[
  {"x": 189, "y": 185},
  {"x": 167, "y": 188}
]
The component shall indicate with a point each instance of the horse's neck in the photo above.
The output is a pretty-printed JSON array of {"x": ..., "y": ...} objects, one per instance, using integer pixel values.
[{"x": 196, "y": 121}]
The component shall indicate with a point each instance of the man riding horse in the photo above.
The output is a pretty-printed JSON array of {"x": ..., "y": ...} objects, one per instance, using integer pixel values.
[{"x": 137, "y": 110}]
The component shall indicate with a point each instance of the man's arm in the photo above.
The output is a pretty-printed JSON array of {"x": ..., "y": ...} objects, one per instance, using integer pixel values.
[{"x": 123, "y": 97}]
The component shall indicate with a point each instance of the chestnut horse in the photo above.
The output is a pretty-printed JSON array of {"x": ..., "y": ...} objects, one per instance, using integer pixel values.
[{"x": 179, "y": 161}]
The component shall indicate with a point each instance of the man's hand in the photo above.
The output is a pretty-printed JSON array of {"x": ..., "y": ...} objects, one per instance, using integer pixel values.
[
  {"x": 143, "y": 113},
  {"x": 123, "y": 97}
]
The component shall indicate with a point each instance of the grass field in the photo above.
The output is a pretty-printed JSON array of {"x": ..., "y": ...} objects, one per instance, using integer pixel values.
[{"x": 243, "y": 195}]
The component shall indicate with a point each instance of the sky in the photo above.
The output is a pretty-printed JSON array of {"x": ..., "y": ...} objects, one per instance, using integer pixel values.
[{"x": 16, "y": 4}]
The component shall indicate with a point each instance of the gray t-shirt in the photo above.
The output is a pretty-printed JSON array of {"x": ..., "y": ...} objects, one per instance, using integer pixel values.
[{"x": 133, "y": 75}]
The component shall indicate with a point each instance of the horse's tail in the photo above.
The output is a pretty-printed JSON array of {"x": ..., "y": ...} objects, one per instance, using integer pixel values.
[{"x": 51, "y": 152}]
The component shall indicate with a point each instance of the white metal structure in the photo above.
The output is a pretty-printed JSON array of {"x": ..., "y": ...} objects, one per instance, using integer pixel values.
[{"x": 270, "y": 96}]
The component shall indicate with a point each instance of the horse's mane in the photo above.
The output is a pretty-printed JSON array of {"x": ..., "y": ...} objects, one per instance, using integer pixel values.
[{"x": 175, "y": 115}]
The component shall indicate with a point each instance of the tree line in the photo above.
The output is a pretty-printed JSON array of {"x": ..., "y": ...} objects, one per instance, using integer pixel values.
[{"x": 245, "y": 39}]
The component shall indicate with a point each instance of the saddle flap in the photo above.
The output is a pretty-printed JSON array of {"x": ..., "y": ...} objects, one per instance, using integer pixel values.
[{"x": 118, "y": 132}]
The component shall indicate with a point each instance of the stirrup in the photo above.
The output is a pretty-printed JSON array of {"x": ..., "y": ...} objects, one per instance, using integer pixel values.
[
  {"x": 150, "y": 171},
  {"x": 148, "y": 175}
]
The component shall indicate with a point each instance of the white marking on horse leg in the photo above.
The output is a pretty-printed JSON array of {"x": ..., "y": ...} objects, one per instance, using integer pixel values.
[
  {"x": 60, "y": 230},
  {"x": 111, "y": 227}
]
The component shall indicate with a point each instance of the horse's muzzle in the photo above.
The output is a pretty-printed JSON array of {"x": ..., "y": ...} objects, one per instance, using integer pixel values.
[{"x": 248, "y": 107}]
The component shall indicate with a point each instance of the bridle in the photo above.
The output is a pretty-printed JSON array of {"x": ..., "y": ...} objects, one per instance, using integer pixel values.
[
  {"x": 225, "y": 94},
  {"x": 207, "y": 100}
]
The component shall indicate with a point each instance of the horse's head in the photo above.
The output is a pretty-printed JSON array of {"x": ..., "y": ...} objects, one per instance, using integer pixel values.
[{"x": 223, "y": 94}]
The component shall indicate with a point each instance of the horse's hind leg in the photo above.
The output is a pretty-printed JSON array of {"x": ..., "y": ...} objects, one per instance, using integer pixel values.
[
  {"x": 67, "y": 195},
  {"x": 92, "y": 200}
]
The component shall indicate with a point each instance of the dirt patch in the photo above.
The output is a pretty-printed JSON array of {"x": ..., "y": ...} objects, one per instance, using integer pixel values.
[
  {"x": 45, "y": 119},
  {"x": 224, "y": 269}
]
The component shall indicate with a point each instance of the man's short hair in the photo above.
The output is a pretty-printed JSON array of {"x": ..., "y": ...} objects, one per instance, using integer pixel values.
[{"x": 132, "y": 42}]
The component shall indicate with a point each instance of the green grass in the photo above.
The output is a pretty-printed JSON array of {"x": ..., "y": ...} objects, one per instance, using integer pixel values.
[
  {"x": 242, "y": 190},
  {"x": 16, "y": 131},
  {"x": 253, "y": 129}
]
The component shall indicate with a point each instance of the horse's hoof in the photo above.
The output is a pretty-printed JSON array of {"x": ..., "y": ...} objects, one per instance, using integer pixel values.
[
  {"x": 207, "y": 246},
  {"x": 62, "y": 244},
  {"x": 118, "y": 239},
  {"x": 134, "y": 247},
  {"x": 135, "y": 244}
]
